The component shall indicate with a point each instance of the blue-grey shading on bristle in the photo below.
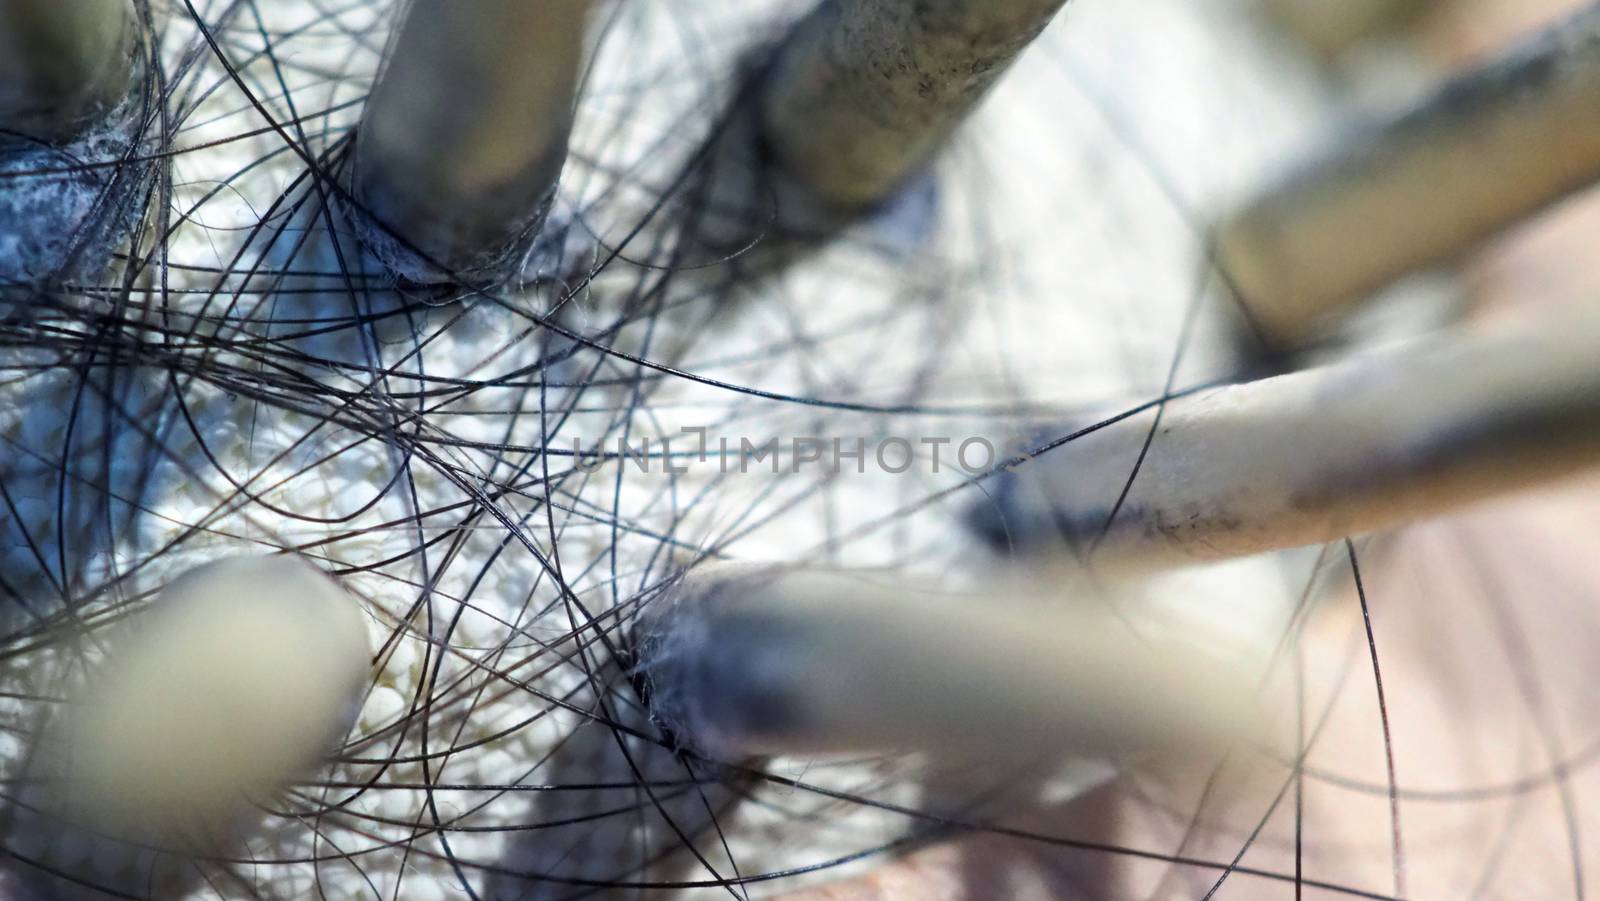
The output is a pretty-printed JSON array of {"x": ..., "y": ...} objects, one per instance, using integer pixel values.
[
  {"x": 490, "y": 268},
  {"x": 65, "y": 209},
  {"x": 673, "y": 638}
]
